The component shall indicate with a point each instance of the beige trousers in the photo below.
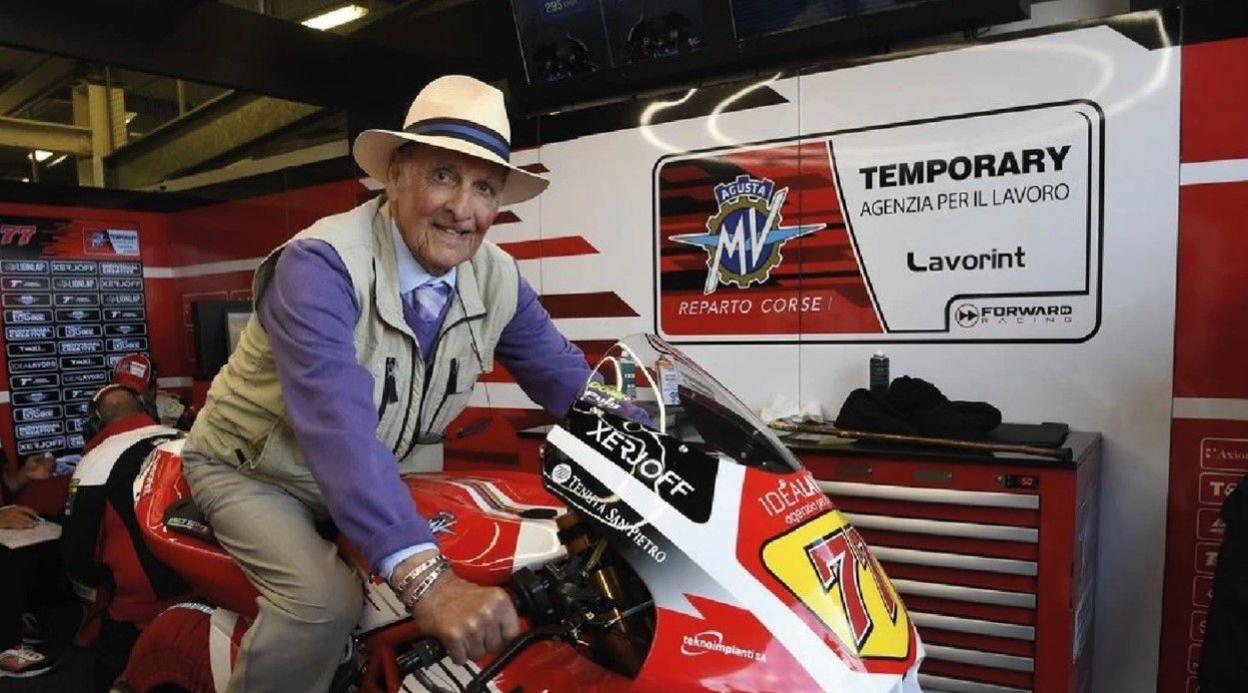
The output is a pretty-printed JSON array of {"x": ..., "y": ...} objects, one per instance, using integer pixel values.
[{"x": 309, "y": 598}]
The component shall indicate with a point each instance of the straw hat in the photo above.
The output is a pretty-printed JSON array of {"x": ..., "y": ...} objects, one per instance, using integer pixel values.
[{"x": 458, "y": 113}]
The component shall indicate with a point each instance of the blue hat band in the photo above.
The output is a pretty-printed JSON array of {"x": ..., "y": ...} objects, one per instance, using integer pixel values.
[{"x": 465, "y": 130}]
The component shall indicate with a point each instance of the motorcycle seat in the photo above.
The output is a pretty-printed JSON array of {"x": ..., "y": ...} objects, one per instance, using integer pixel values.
[{"x": 177, "y": 534}]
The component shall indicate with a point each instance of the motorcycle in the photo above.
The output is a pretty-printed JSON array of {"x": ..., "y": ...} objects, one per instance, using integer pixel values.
[{"x": 671, "y": 542}]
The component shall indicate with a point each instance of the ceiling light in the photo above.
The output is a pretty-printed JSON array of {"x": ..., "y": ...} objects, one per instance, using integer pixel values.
[
  {"x": 333, "y": 18},
  {"x": 130, "y": 115},
  {"x": 41, "y": 155}
]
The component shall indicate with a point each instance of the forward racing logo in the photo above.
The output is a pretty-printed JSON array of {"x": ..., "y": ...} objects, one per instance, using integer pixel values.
[{"x": 744, "y": 237}]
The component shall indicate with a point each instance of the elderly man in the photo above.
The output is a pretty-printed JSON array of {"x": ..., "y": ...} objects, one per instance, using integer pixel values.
[{"x": 371, "y": 328}]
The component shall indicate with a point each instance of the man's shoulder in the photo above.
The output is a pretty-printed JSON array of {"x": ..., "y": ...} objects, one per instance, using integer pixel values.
[{"x": 351, "y": 228}]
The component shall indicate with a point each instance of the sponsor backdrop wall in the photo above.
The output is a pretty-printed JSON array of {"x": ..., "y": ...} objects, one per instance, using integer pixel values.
[{"x": 1001, "y": 220}]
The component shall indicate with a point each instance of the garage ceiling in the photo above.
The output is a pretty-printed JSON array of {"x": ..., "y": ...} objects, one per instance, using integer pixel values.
[{"x": 157, "y": 126}]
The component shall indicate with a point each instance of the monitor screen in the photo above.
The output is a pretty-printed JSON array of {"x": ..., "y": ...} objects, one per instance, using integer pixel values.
[
  {"x": 216, "y": 326},
  {"x": 564, "y": 39},
  {"x": 758, "y": 17},
  {"x": 235, "y": 321}
]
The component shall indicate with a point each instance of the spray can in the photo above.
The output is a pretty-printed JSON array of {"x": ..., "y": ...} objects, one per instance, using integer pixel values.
[
  {"x": 669, "y": 382},
  {"x": 628, "y": 377},
  {"x": 879, "y": 374}
]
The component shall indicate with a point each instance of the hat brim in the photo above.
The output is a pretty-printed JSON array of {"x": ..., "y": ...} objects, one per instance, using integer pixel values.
[{"x": 372, "y": 151}]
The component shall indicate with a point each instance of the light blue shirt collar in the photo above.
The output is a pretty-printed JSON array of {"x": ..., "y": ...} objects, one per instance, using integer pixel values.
[{"x": 411, "y": 274}]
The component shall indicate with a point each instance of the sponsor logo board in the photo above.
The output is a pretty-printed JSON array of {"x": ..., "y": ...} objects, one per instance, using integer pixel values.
[
  {"x": 77, "y": 394},
  {"x": 20, "y": 399},
  {"x": 17, "y": 334},
  {"x": 25, "y": 284},
  {"x": 23, "y": 266},
  {"x": 130, "y": 329},
  {"x": 121, "y": 269},
  {"x": 78, "y": 315},
  {"x": 81, "y": 362},
  {"x": 32, "y": 365},
  {"x": 20, "y": 349},
  {"x": 39, "y": 430},
  {"x": 30, "y": 447},
  {"x": 23, "y": 317},
  {"x": 130, "y": 299},
  {"x": 83, "y": 346},
  {"x": 79, "y": 331},
  {"x": 74, "y": 267},
  {"x": 127, "y": 344},
  {"x": 122, "y": 314},
  {"x": 89, "y": 378},
  {"x": 26, "y": 300},
  {"x": 121, "y": 284},
  {"x": 75, "y": 284},
  {"x": 44, "y": 413},
  {"x": 967, "y": 227},
  {"x": 26, "y": 382},
  {"x": 66, "y": 300}
]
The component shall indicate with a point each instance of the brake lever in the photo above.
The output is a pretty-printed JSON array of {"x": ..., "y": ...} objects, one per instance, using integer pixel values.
[{"x": 559, "y": 633}]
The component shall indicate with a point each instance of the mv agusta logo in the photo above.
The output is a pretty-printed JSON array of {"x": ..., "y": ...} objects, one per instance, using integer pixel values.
[{"x": 744, "y": 236}]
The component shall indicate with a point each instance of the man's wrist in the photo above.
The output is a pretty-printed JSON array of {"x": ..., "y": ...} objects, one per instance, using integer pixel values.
[{"x": 410, "y": 563}]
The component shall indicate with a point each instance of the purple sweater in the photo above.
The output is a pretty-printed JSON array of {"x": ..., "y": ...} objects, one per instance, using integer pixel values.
[{"x": 329, "y": 396}]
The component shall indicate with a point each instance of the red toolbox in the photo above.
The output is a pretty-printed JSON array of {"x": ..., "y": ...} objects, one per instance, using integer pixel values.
[{"x": 993, "y": 554}]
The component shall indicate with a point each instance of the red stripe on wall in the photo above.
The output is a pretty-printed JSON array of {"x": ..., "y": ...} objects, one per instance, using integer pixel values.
[
  {"x": 560, "y": 246},
  {"x": 1215, "y": 101},
  {"x": 1211, "y": 323},
  {"x": 602, "y": 304}
]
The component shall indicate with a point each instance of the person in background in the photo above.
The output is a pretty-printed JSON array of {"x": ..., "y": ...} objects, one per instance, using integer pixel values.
[
  {"x": 370, "y": 331},
  {"x": 34, "y": 468},
  {"x": 138, "y": 373},
  {"x": 27, "y": 577},
  {"x": 1224, "y": 655},
  {"x": 111, "y": 569}
]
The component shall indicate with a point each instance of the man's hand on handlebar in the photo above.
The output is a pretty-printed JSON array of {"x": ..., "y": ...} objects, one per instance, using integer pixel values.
[{"x": 469, "y": 619}]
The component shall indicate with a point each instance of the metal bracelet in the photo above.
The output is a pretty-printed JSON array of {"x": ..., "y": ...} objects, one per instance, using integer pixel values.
[
  {"x": 425, "y": 585},
  {"x": 416, "y": 572}
]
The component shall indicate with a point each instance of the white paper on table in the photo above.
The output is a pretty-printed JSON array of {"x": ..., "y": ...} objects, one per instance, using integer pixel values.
[{"x": 41, "y": 532}]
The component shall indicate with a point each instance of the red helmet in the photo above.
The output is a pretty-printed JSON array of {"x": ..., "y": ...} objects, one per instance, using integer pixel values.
[{"x": 135, "y": 372}]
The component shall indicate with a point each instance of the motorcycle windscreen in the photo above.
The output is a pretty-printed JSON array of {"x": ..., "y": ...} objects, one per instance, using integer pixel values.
[
  {"x": 648, "y": 381},
  {"x": 751, "y": 528}
]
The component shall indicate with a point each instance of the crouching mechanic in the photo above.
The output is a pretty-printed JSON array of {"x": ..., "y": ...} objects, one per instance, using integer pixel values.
[
  {"x": 370, "y": 329},
  {"x": 110, "y": 567}
]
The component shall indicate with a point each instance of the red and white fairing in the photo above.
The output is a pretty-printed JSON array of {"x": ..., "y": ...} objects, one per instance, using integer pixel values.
[{"x": 759, "y": 582}]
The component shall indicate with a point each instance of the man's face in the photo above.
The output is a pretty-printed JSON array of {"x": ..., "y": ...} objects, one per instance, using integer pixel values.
[{"x": 443, "y": 203}]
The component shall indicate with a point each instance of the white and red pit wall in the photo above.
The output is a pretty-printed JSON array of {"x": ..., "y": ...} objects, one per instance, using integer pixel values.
[
  {"x": 1209, "y": 433},
  {"x": 586, "y": 246}
]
